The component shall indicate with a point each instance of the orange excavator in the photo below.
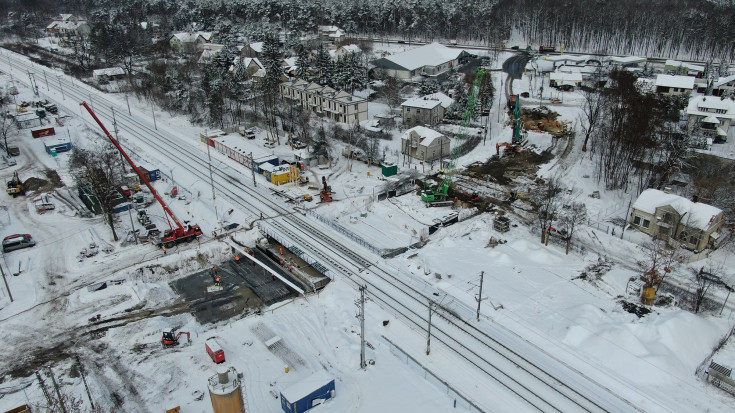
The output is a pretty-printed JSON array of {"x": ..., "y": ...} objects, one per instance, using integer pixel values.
[
  {"x": 326, "y": 193},
  {"x": 509, "y": 148},
  {"x": 170, "y": 338}
]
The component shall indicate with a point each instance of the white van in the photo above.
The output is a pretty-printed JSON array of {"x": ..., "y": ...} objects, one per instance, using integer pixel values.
[{"x": 17, "y": 241}]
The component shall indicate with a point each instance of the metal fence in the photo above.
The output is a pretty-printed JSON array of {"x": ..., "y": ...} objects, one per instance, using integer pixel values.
[
  {"x": 346, "y": 232},
  {"x": 460, "y": 401}
]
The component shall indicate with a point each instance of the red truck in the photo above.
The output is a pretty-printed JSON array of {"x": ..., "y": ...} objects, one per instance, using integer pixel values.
[{"x": 215, "y": 351}]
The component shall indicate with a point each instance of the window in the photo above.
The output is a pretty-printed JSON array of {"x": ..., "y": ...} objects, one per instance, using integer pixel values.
[
  {"x": 683, "y": 236},
  {"x": 355, "y": 107},
  {"x": 637, "y": 220},
  {"x": 693, "y": 240},
  {"x": 646, "y": 223},
  {"x": 667, "y": 217}
]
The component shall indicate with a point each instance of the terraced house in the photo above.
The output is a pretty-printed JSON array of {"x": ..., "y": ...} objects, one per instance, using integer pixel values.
[{"x": 337, "y": 105}]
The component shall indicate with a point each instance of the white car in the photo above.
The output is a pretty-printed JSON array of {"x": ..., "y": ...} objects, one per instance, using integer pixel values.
[{"x": 269, "y": 145}]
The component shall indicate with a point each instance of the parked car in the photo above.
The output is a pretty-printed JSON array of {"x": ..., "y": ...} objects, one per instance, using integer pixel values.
[
  {"x": 299, "y": 145},
  {"x": 17, "y": 241},
  {"x": 269, "y": 144}
]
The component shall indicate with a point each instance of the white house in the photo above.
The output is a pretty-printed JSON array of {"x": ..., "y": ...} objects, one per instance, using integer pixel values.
[
  {"x": 712, "y": 115},
  {"x": 183, "y": 42},
  {"x": 677, "y": 220},
  {"x": 68, "y": 25},
  {"x": 424, "y": 144},
  {"x": 430, "y": 60},
  {"x": 347, "y": 49},
  {"x": 674, "y": 85}
]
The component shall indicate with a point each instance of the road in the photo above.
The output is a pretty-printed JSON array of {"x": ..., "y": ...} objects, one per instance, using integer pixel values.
[{"x": 518, "y": 369}]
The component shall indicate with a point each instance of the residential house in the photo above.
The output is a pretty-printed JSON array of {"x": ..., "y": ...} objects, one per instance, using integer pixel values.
[
  {"x": 330, "y": 33},
  {"x": 624, "y": 61},
  {"x": 425, "y": 110},
  {"x": 431, "y": 60},
  {"x": 337, "y": 105},
  {"x": 675, "y": 67},
  {"x": 674, "y": 84},
  {"x": 108, "y": 74},
  {"x": 252, "y": 50},
  {"x": 347, "y": 49},
  {"x": 677, "y": 220},
  {"x": 724, "y": 86},
  {"x": 424, "y": 144},
  {"x": 68, "y": 25},
  {"x": 711, "y": 115},
  {"x": 188, "y": 43}
]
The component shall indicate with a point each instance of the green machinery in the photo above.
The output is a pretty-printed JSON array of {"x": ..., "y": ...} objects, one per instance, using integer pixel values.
[{"x": 441, "y": 192}]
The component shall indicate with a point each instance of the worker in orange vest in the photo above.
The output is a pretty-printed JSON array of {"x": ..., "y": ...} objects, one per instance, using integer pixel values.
[
  {"x": 237, "y": 259},
  {"x": 281, "y": 249}
]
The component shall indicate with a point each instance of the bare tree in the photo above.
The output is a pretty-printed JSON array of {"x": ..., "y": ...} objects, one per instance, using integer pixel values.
[
  {"x": 571, "y": 218},
  {"x": 659, "y": 260},
  {"x": 6, "y": 127},
  {"x": 706, "y": 278},
  {"x": 591, "y": 110},
  {"x": 391, "y": 92},
  {"x": 547, "y": 202},
  {"x": 99, "y": 169}
]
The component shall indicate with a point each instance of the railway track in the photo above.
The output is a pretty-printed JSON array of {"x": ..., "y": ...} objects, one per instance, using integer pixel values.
[{"x": 543, "y": 382}]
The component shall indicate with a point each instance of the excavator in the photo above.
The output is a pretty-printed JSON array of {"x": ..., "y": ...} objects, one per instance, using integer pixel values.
[
  {"x": 170, "y": 338},
  {"x": 15, "y": 186}
]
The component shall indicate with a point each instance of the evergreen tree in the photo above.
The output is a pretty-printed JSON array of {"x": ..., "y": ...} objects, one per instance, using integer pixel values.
[
  {"x": 323, "y": 68},
  {"x": 271, "y": 58},
  {"x": 427, "y": 87},
  {"x": 303, "y": 65}
]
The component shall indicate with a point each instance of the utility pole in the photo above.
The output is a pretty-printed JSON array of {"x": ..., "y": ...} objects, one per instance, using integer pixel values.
[
  {"x": 479, "y": 296},
  {"x": 211, "y": 179},
  {"x": 428, "y": 339},
  {"x": 34, "y": 85},
  {"x": 45, "y": 77},
  {"x": 154, "y": 116},
  {"x": 252, "y": 168},
  {"x": 58, "y": 393},
  {"x": 84, "y": 379},
  {"x": 43, "y": 387},
  {"x": 128, "y": 103},
  {"x": 363, "y": 364},
  {"x": 60, "y": 87},
  {"x": 6, "y": 284}
]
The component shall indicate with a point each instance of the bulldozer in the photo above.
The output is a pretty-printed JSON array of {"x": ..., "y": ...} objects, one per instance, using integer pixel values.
[
  {"x": 170, "y": 338},
  {"x": 15, "y": 186}
]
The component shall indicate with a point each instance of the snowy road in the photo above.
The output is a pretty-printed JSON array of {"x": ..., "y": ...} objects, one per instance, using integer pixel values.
[{"x": 527, "y": 376}]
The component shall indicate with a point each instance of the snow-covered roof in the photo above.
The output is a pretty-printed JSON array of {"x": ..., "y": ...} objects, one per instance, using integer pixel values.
[
  {"x": 257, "y": 47},
  {"x": 723, "y": 80},
  {"x": 110, "y": 71},
  {"x": 351, "y": 48},
  {"x": 566, "y": 58},
  {"x": 566, "y": 77},
  {"x": 433, "y": 54},
  {"x": 427, "y": 135},
  {"x": 184, "y": 37},
  {"x": 306, "y": 386},
  {"x": 711, "y": 119},
  {"x": 709, "y": 105},
  {"x": 328, "y": 28},
  {"x": 445, "y": 100},
  {"x": 422, "y": 102},
  {"x": 698, "y": 215},
  {"x": 337, "y": 34},
  {"x": 626, "y": 60},
  {"x": 690, "y": 66},
  {"x": 683, "y": 82}
]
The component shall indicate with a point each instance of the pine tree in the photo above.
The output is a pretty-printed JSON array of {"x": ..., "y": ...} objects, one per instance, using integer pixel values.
[
  {"x": 271, "y": 58},
  {"x": 427, "y": 87},
  {"x": 323, "y": 68},
  {"x": 303, "y": 65}
]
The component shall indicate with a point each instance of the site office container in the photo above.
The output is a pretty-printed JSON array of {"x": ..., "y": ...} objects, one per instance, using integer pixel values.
[
  {"x": 215, "y": 351},
  {"x": 41, "y": 132}
]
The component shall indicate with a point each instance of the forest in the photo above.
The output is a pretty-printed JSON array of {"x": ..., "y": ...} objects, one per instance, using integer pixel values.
[{"x": 696, "y": 29}]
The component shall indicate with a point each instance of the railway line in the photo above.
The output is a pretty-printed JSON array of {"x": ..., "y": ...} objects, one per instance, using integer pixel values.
[{"x": 541, "y": 381}]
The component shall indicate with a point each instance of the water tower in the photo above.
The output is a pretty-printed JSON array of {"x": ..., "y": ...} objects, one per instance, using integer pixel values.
[{"x": 225, "y": 391}]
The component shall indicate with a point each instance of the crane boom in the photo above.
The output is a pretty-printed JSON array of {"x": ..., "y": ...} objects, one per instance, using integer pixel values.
[{"x": 174, "y": 235}]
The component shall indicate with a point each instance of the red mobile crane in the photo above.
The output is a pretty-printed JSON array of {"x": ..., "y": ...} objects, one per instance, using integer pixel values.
[{"x": 173, "y": 235}]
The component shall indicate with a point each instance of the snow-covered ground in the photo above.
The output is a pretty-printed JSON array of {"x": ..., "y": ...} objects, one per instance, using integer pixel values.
[{"x": 531, "y": 289}]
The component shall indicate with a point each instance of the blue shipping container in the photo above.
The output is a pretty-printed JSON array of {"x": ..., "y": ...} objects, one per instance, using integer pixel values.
[{"x": 310, "y": 392}]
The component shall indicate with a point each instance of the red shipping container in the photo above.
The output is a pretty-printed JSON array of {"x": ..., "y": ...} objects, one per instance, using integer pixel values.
[
  {"x": 41, "y": 132},
  {"x": 215, "y": 351}
]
